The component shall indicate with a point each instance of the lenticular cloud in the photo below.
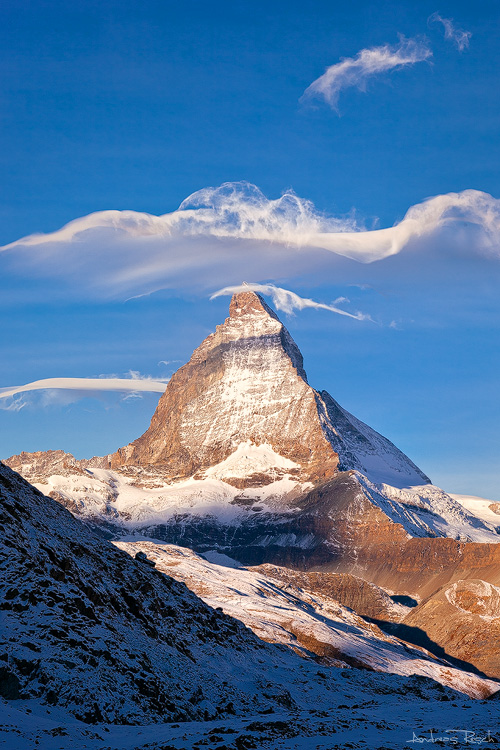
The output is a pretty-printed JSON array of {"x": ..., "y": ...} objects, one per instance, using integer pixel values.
[
  {"x": 219, "y": 236},
  {"x": 68, "y": 390}
]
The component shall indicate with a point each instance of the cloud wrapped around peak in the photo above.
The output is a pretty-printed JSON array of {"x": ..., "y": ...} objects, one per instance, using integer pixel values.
[
  {"x": 287, "y": 301},
  {"x": 355, "y": 71}
]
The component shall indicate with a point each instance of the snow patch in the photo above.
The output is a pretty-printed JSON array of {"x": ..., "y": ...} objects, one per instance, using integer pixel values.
[
  {"x": 475, "y": 597},
  {"x": 248, "y": 459}
]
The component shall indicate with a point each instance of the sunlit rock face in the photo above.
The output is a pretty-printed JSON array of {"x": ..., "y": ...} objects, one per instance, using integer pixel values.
[
  {"x": 246, "y": 383},
  {"x": 464, "y": 618}
]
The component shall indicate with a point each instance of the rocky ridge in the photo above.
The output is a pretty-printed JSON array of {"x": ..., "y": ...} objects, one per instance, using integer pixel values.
[{"x": 107, "y": 638}]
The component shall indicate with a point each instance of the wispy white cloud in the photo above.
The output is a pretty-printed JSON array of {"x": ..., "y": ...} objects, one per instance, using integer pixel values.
[
  {"x": 69, "y": 390},
  {"x": 453, "y": 33},
  {"x": 355, "y": 71},
  {"x": 221, "y": 235},
  {"x": 287, "y": 301}
]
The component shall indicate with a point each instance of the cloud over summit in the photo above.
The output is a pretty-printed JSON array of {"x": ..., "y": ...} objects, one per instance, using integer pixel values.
[{"x": 288, "y": 301}]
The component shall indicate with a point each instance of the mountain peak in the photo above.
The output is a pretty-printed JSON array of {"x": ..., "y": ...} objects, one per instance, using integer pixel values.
[
  {"x": 245, "y": 387},
  {"x": 249, "y": 303}
]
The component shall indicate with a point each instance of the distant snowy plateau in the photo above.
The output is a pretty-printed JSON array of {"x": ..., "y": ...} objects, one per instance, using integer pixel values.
[{"x": 242, "y": 571}]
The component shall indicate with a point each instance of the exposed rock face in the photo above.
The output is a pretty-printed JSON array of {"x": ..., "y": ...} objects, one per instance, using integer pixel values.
[
  {"x": 463, "y": 618},
  {"x": 246, "y": 382},
  {"x": 418, "y": 567}
]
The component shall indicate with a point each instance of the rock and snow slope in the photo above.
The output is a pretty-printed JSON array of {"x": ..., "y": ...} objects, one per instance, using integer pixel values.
[
  {"x": 91, "y": 635},
  {"x": 107, "y": 638},
  {"x": 358, "y": 711},
  {"x": 486, "y": 510},
  {"x": 305, "y": 621},
  {"x": 464, "y": 618}
]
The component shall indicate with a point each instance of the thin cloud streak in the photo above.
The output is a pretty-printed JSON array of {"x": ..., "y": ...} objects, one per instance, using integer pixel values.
[
  {"x": 92, "y": 385},
  {"x": 355, "y": 71},
  {"x": 287, "y": 301},
  {"x": 451, "y": 32}
]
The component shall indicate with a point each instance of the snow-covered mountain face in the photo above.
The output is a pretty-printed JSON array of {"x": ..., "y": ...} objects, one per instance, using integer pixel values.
[{"x": 245, "y": 386}]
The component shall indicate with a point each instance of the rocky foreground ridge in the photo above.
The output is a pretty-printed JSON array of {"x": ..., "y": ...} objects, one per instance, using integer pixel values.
[
  {"x": 93, "y": 635},
  {"x": 108, "y": 638}
]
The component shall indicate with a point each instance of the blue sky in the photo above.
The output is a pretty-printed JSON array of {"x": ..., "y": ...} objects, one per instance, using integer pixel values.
[{"x": 135, "y": 106}]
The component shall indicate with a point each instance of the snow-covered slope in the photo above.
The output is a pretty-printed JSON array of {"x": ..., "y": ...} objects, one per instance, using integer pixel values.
[
  {"x": 304, "y": 621},
  {"x": 487, "y": 510},
  {"x": 139, "y": 497},
  {"x": 105, "y": 637},
  {"x": 361, "y": 448},
  {"x": 428, "y": 510},
  {"x": 356, "y": 710}
]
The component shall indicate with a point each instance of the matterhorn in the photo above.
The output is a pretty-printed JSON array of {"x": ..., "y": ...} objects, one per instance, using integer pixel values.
[{"x": 272, "y": 502}]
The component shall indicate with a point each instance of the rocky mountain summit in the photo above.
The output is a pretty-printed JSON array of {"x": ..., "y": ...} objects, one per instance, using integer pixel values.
[{"x": 246, "y": 384}]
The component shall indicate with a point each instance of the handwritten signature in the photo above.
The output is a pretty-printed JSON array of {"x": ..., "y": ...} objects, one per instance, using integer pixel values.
[{"x": 454, "y": 737}]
